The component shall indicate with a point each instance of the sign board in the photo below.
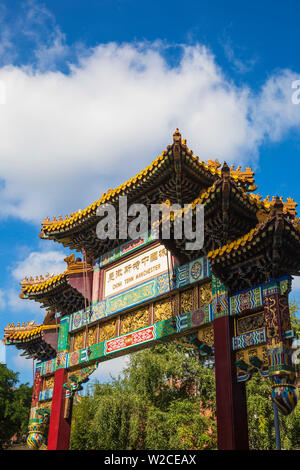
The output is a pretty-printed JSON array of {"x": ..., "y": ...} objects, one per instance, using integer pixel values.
[{"x": 136, "y": 270}]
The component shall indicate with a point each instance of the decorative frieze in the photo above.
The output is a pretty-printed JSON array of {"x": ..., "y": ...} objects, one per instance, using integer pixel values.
[
  {"x": 249, "y": 339},
  {"x": 123, "y": 250},
  {"x": 187, "y": 300},
  {"x": 206, "y": 335},
  {"x": 134, "y": 320},
  {"x": 249, "y": 323},
  {"x": 160, "y": 330},
  {"x": 63, "y": 337},
  {"x": 246, "y": 301},
  {"x": 107, "y": 330},
  {"x": 205, "y": 294},
  {"x": 46, "y": 394}
]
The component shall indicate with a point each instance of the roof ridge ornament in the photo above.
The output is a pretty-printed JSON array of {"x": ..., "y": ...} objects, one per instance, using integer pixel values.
[
  {"x": 225, "y": 170},
  {"x": 176, "y": 136}
]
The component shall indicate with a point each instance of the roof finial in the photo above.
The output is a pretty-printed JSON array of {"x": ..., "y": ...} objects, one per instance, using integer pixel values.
[
  {"x": 278, "y": 205},
  {"x": 176, "y": 136},
  {"x": 225, "y": 170}
]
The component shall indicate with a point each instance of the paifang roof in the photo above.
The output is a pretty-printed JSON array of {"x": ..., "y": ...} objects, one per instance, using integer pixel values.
[
  {"x": 55, "y": 291},
  {"x": 176, "y": 175},
  {"x": 232, "y": 211},
  {"x": 32, "y": 339}
]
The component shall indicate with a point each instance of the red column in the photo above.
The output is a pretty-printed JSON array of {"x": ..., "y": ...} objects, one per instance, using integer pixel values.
[
  {"x": 232, "y": 421},
  {"x": 59, "y": 427}
]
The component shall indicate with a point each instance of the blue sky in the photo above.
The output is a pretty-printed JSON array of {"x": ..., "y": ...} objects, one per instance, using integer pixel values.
[{"x": 91, "y": 92}]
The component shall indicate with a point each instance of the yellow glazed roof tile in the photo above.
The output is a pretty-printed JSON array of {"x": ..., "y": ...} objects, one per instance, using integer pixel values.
[{"x": 213, "y": 167}]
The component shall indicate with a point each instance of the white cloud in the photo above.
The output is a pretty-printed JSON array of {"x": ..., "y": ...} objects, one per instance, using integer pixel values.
[
  {"x": 34, "y": 264},
  {"x": 40, "y": 262},
  {"x": 24, "y": 307},
  {"x": 110, "y": 368},
  {"x": 66, "y": 138}
]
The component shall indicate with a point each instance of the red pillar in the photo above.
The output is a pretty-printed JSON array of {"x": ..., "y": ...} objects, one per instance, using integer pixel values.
[
  {"x": 59, "y": 427},
  {"x": 232, "y": 420}
]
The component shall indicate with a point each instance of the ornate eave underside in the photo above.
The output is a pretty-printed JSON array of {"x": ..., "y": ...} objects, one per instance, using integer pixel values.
[
  {"x": 30, "y": 338},
  {"x": 63, "y": 298},
  {"x": 229, "y": 213},
  {"x": 36, "y": 349},
  {"x": 56, "y": 292},
  {"x": 271, "y": 250},
  {"x": 176, "y": 176}
]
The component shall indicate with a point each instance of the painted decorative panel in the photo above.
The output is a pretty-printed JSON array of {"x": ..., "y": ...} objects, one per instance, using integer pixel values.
[
  {"x": 220, "y": 306},
  {"x": 124, "y": 342},
  {"x": 46, "y": 394},
  {"x": 107, "y": 330},
  {"x": 78, "y": 340},
  {"x": 249, "y": 339},
  {"x": 205, "y": 294},
  {"x": 163, "y": 309},
  {"x": 63, "y": 337},
  {"x": 61, "y": 360},
  {"x": 122, "y": 250},
  {"x": 245, "y": 301},
  {"x": 249, "y": 323},
  {"x": 187, "y": 300},
  {"x": 191, "y": 272},
  {"x": 48, "y": 367},
  {"x": 135, "y": 320},
  {"x": 92, "y": 335},
  {"x": 48, "y": 382},
  {"x": 206, "y": 335}
]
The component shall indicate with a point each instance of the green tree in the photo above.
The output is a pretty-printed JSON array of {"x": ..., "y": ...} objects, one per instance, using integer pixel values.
[
  {"x": 14, "y": 405},
  {"x": 294, "y": 314},
  {"x": 164, "y": 401}
]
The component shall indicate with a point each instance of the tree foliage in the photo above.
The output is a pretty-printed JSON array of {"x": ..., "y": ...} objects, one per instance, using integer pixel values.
[
  {"x": 156, "y": 405},
  {"x": 166, "y": 400},
  {"x": 14, "y": 405}
]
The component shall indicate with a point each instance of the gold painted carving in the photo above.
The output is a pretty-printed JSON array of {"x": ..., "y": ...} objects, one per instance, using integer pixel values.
[
  {"x": 162, "y": 310},
  {"x": 78, "y": 340},
  {"x": 92, "y": 335},
  {"x": 258, "y": 351},
  {"x": 107, "y": 331},
  {"x": 48, "y": 383},
  {"x": 206, "y": 335},
  {"x": 250, "y": 323},
  {"x": 134, "y": 320},
  {"x": 187, "y": 300},
  {"x": 205, "y": 294},
  {"x": 46, "y": 404}
]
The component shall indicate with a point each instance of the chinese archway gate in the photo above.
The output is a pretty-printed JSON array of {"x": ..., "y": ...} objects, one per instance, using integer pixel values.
[{"x": 230, "y": 298}]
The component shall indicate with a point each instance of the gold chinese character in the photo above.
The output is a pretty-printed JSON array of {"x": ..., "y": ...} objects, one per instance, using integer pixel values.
[
  {"x": 127, "y": 269},
  {"x": 153, "y": 256},
  {"x": 136, "y": 265},
  {"x": 145, "y": 259},
  {"x": 163, "y": 252}
]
